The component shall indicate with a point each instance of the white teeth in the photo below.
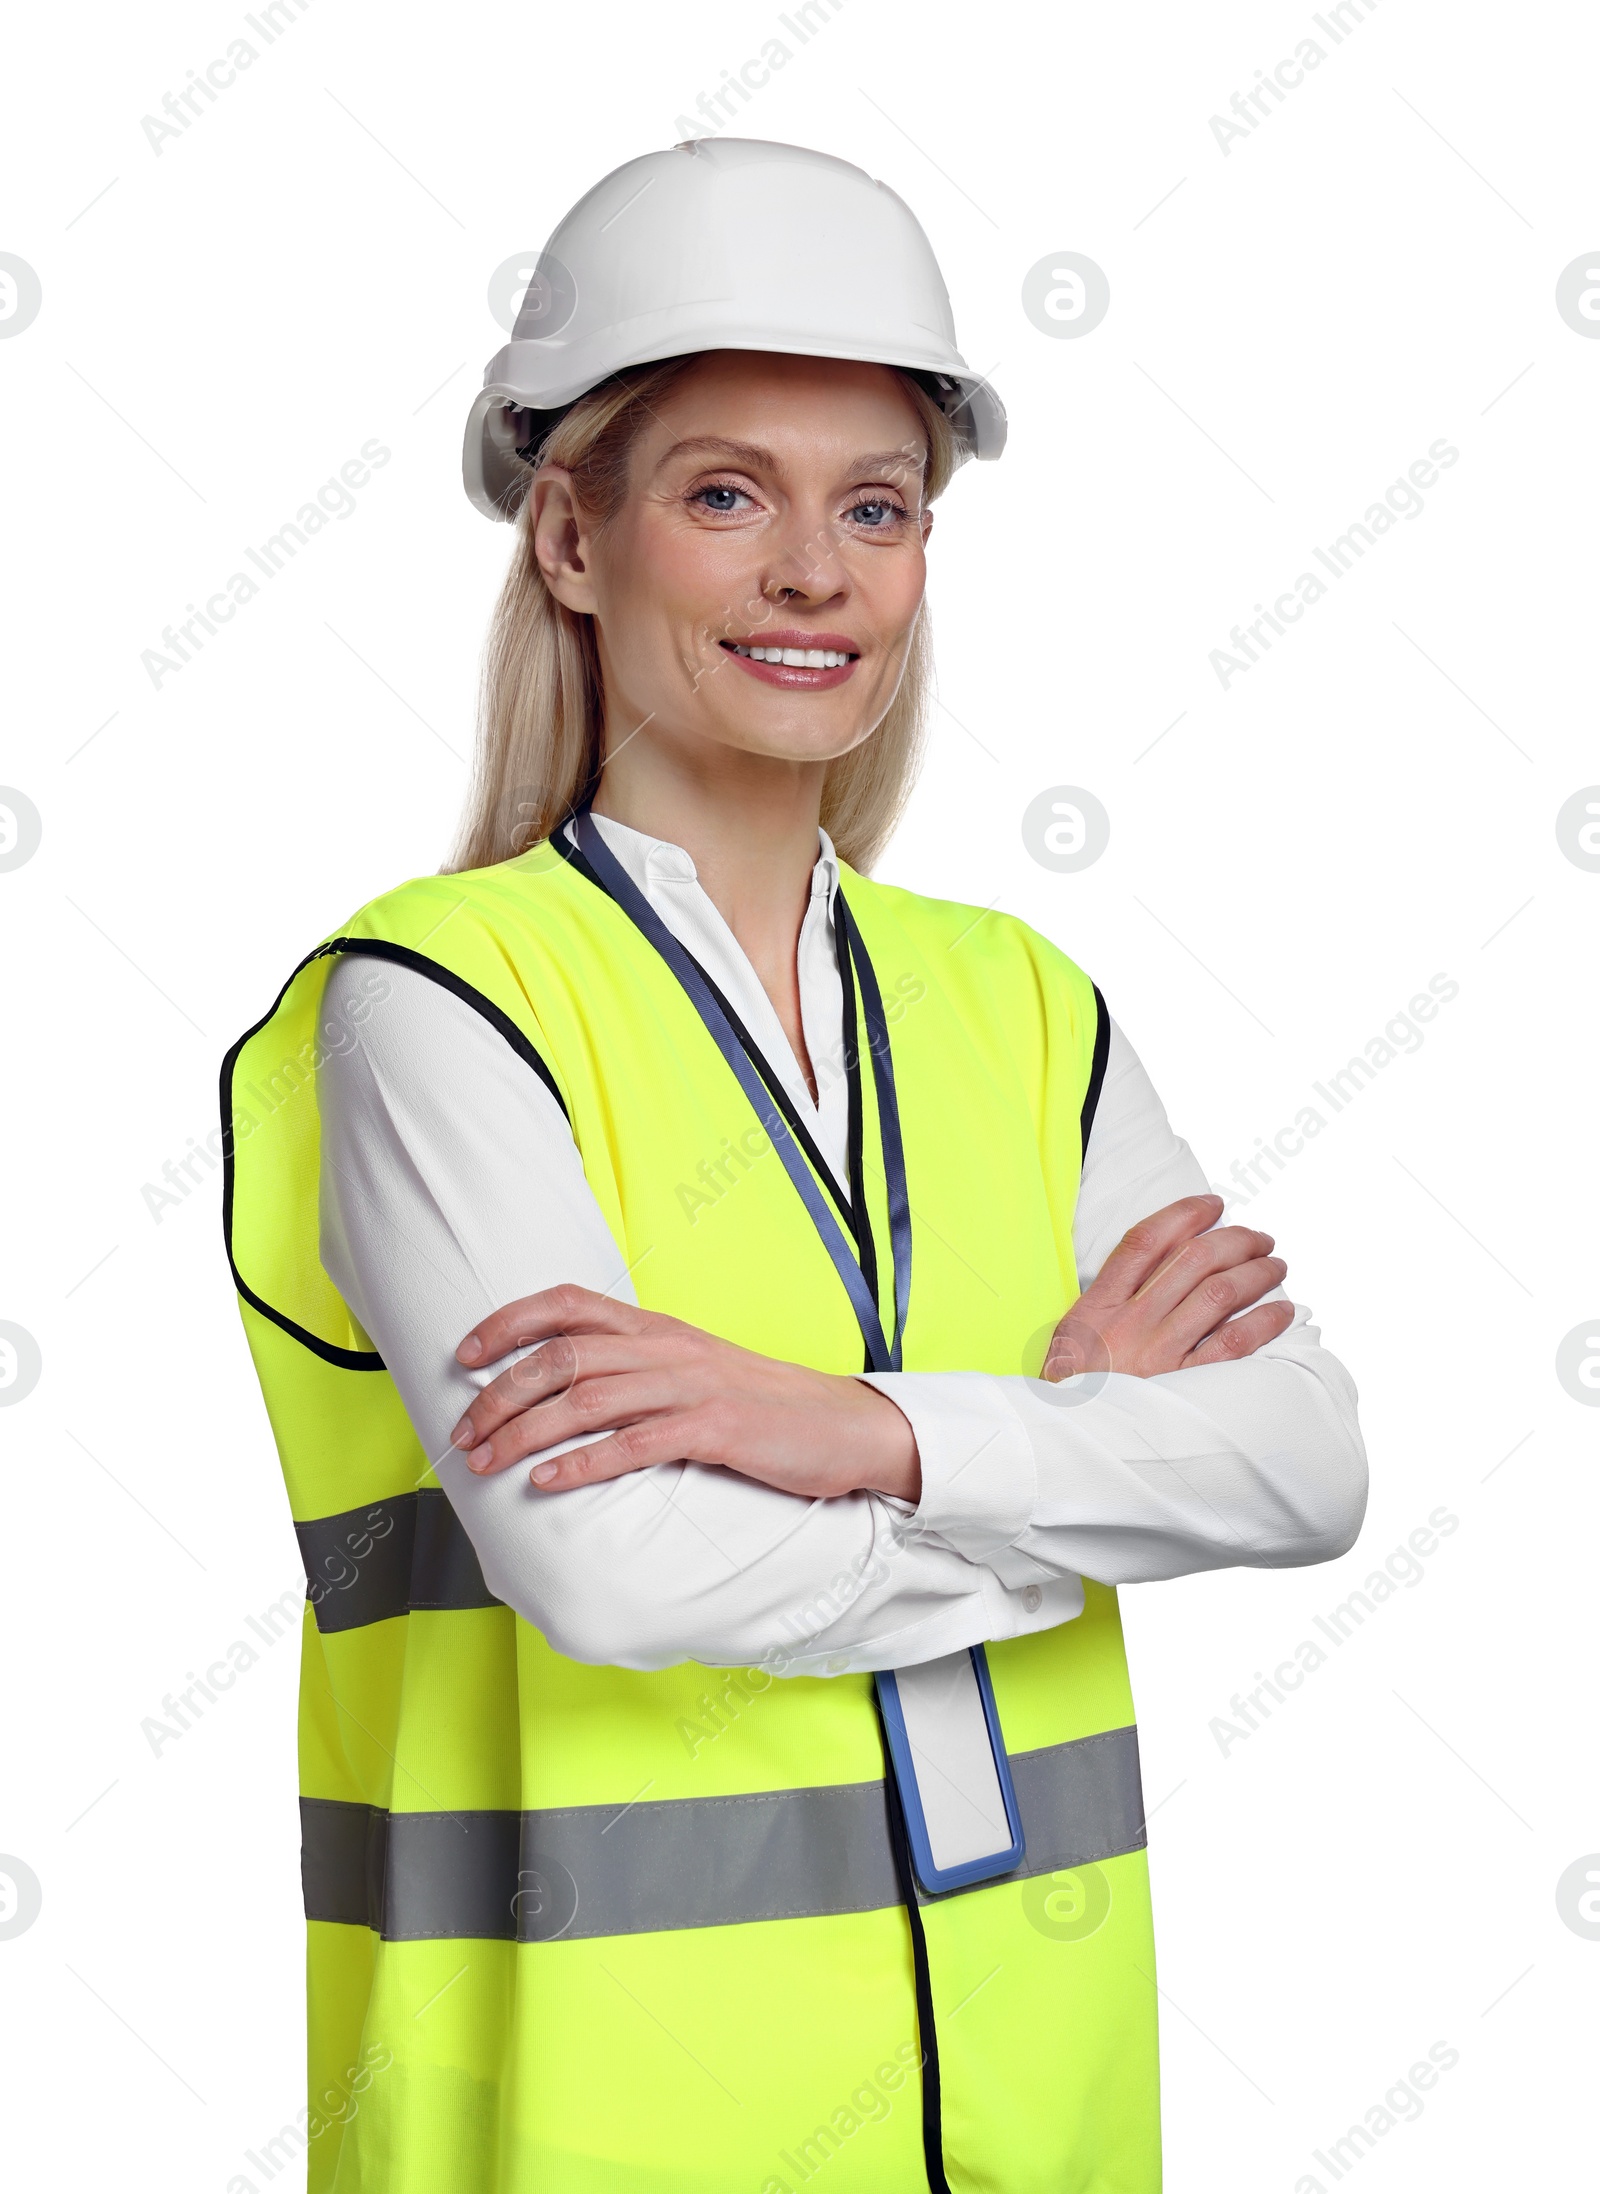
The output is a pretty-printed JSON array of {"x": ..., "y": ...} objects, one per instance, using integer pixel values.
[{"x": 796, "y": 658}]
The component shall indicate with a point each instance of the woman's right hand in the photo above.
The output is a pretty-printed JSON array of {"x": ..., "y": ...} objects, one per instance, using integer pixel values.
[{"x": 1166, "y": 1297}]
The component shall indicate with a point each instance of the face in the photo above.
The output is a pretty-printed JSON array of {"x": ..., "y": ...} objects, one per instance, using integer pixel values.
[{"x": 773, "y": 513}]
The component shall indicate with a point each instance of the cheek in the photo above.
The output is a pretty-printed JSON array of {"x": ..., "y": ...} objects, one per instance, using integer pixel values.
[
  {"x": 690, "y": 576},
  {"x": 891, "y": 588}
]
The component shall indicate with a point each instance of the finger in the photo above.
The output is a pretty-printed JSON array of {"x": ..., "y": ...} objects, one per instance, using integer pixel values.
[
  {"x": 1242, "y": 1336},
  {"x": 1219, "y": 1250},
  {"x": 1218, "y": 1297},
  {"x": 1146, "y": 1246},
  {"x": 675, "y": 1436},
  {"x": 594, "y": 1405},
  {"x": 564, "y": 1309},
  {"x": 1082, "y": 1349},
  {"x": 555, "y": 1366}
]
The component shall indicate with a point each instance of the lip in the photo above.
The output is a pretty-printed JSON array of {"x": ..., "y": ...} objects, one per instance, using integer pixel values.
[{"x": 795, "y": 676}]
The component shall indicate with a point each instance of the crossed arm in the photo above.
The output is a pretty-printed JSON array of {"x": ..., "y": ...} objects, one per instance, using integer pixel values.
[
  {"x": 851, "y": 1523},
  {"x": 1170, "y": 1297}
]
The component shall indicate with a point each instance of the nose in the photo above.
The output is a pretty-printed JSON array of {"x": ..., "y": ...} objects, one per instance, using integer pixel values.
[{"x": 804, "y": 563}]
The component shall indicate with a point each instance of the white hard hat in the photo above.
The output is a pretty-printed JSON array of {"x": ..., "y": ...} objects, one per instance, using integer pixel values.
[{"x": 723, "y": 243}]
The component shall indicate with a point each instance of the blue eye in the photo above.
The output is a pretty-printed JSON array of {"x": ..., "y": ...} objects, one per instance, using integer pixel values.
[
  {"x": 720, "y": 498},
  {"x": 886, "y": 514}
]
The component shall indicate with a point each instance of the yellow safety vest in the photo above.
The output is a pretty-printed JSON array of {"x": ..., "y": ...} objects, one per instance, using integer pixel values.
[{"x": 582, "y": 1930}]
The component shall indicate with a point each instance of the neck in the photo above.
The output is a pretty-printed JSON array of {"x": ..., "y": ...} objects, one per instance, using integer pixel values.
[{"x": 748, "y": 821}]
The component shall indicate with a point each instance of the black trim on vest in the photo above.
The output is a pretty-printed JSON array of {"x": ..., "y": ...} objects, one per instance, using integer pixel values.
[
  {"x": 375, "y": 948},
  {"x": 927, "y": 2023},
  {"x": 1097, "y": 1072},
  {"x": 572, "y": 853},
  {"x": 860, "y": 1209},
  {"x": 379, "y": 948}
]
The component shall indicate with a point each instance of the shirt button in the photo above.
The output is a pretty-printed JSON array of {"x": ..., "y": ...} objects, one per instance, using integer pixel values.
[
  {"x": 1033, "y": 1599},
  {"x": 838, "y": 1664}
]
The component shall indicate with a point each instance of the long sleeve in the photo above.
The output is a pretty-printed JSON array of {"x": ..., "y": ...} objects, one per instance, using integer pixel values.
[
  {"x": 438, "y": 1208},
  {"x": 451, "y": 1185},
  {"x": 1126, "y": 1479}
]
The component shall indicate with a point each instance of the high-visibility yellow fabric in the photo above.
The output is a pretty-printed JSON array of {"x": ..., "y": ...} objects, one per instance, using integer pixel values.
[{"x": 744, "y": 2058}]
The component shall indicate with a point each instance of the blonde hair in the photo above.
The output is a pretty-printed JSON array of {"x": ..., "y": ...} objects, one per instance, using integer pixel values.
[{"x": 541, "y": 704}]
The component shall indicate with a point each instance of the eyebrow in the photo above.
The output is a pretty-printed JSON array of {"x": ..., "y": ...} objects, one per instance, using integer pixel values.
[{"x": 754, "y": 459}]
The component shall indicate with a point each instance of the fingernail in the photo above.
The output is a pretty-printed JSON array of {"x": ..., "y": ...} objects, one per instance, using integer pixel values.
[
  {"x": 463, "y": 1435},
  {"x": 470, "y": 1350},
  {"x": 481, "y": 1457},
  {"x": 542, "y": 1473}
]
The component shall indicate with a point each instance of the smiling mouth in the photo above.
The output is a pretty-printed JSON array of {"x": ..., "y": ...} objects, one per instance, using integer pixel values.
[
  {"x": 793, "y": 658},
  {"x": 794, "y": 661}
]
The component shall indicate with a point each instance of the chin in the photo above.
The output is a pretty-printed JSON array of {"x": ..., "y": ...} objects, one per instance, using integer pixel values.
[{"x": 793, "y": 742}]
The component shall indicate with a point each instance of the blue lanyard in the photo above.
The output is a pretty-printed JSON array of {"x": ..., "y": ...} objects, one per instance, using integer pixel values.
[
  {"x": 914, "y": 1850},
  {"x": 883, "y": 1354}
]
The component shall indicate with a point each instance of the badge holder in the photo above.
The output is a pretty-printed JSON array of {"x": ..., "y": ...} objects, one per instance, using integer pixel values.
[{"x": 934, "y": 1879}]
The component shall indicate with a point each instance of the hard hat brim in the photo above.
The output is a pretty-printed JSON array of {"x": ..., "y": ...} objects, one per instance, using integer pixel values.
[{"x": 496, "y": 478}]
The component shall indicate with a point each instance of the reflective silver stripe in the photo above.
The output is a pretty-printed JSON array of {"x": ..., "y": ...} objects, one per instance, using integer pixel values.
[
  {"x": 1079, "y": 1802},
  {"x": 561, "y": 1874},
  {"x": 389, "y": 1557}
]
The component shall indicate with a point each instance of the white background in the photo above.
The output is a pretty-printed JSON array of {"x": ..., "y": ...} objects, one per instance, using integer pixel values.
[{"x": 226, "y": 320}]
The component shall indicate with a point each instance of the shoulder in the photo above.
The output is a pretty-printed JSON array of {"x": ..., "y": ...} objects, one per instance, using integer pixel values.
[
  {"x": 974, "y": 946},
  {"x": 444, "y": 965},
  {"x": 536, "y": 884},
  {"x": 503, "y": 933}
]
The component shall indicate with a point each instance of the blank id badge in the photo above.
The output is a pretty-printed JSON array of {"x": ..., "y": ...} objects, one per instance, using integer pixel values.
[{"x": 950, "y": 1768}]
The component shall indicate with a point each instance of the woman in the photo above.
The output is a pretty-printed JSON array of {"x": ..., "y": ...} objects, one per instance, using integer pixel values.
[{"x": 718, "y": 1763}]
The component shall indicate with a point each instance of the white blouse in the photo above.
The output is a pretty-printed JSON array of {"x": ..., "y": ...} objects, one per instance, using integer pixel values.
[{"x": 451, "y": 1185}]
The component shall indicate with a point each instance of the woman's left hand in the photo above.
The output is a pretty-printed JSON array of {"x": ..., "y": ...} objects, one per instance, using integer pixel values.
[{"x": 666, "y": 1392}]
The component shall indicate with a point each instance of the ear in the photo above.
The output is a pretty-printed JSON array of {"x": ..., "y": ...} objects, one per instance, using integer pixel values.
[{"x": 561, "y": 539}]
